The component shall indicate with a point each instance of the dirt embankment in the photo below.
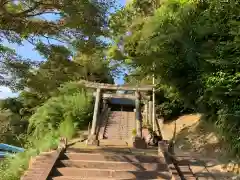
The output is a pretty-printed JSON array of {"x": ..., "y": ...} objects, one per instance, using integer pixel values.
[{"x": 195, "y": 137}]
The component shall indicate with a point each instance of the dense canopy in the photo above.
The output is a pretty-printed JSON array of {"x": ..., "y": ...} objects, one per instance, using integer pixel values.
[{"x": 191, "y": 47}]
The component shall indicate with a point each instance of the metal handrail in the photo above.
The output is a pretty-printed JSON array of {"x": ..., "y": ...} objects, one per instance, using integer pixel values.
[
  {"x": 170, "y": 158},
  {"x": 10, "y": 148}
]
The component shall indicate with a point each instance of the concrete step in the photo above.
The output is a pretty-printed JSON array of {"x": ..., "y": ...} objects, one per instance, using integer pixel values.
[
  {"x": 116, "y": 134},
  {"x": 117, "y": 131},
  {"x": 112, "y": 157},
  {"x": 120, "y": 125},
  {"x": 112, "y": 165},
  {"x": 103, "y": 151},
  {"x": 82, "y": 178},
  {"x": 111, "y": 137},
  {"x": 114, "y": 116},
  {"x": 106, "y": 173},
  {"x": 116, "y": 137},
  {"x": 79, "y": 178},
  {"x": 113, "y": 141}
]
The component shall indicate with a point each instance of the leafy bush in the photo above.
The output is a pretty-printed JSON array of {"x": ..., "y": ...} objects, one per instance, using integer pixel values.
[
  {"x": 13, "y": 167},
  {"x": 77, "y": 107},
  {"x": 11, "y": 126},
  {"x": 134, "y": 132},
  {"x": 169, "y": 102},
  {"x": 67, "y": 128},
  {"x": 69, "y": 88},
  {"x": 194, "y": 46},
  {"x": 222, "y": 106},
  {"x": 61, "y": 115}
]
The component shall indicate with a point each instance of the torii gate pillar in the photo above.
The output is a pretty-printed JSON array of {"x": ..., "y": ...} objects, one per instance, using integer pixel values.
[
  {"x": 139, "y": 142},
  {"x": 96, "y": 111},
  {"x": 138, "y": 114},
  {"x": 92, "y": 139}
]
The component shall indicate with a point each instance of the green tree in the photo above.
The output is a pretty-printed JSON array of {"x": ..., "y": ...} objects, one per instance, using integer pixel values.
[
  {"x": 77, "y": 25},
  {"x": 194, "y": 48},
  {"x": 78, "y": 22},
  {"x": 75, "y": 106}
]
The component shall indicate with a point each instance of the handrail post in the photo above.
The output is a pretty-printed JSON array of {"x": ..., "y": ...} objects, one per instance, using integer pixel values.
[{"x": 170, "y": 158}]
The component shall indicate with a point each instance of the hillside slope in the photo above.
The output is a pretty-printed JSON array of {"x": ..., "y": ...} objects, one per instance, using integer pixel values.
[{"x": 197, "y": 138}]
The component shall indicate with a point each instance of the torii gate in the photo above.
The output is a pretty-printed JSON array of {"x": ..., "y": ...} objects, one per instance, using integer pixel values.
[{"x": 137, "y": 89}]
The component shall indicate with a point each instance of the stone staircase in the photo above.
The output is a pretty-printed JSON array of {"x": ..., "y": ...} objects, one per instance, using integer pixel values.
[
  {"x": 119, "y": 127},
  {"x": 94, "y": 165}
]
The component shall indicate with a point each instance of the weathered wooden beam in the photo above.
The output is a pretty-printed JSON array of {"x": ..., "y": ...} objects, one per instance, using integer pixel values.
[
  {"x": 127, "y": 96},
  {"x": 116, "y": 87},
  {"x": 107, "y": 95}
]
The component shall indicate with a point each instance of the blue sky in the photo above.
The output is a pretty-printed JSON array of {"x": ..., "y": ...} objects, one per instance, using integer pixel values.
[{"x": 27, "y": 51}]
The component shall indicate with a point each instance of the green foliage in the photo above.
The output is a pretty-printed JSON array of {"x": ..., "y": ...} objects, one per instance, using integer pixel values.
[
  {"x": 67, "y": 128},
  {"x": 11, "y": 127},
  {"x": 48, "y": 141},
  {"x": 59, "y": 116},
  {"x": 13, "y": 167},
  {"x": 169, "y": 102},
  {"x": 94, "y": 66},
  {"x": 70, "y": 88},
  {"x": 53, "y": 106},
  {"x": 77, "y": 24},
  {"x": 12, "y": 104},
  {"x": 77, "y": 107},
  {"x": 134, "y": 132},
  {"x": 58, "y": 69},
  {"x": 39, "y": 81},
  {"x": 25, "y": 18},
  {"x": 194, "y": 49}
]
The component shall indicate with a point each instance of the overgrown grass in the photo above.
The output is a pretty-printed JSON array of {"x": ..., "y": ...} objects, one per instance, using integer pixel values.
[
  {"x": 75, "y": 107},
  {"x": 13, "y": 167},
  {"x": 67, "y": 128},
  {"x": 59, "y": 116}
]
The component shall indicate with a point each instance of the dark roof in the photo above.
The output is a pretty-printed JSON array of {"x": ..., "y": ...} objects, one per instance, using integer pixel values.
[{"x": 122, "y": 101}]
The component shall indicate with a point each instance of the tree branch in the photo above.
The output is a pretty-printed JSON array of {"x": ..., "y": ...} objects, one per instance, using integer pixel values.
[
  {"x": 37, "y": 5},
  {"x": 3, "y": 2},
  {"x": 47, "y": 37},
  {"x": 43, "y": 12},
  {"x": 24, "y": 13}
]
